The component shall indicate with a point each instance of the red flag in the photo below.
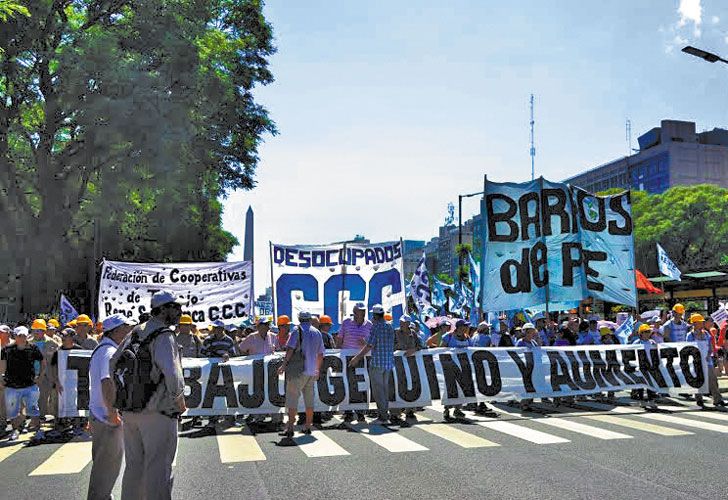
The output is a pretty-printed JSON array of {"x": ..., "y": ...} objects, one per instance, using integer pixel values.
[{"x": 644, "y": 284}]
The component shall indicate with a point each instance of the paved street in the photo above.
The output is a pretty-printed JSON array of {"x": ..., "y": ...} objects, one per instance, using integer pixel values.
[{"x": 588, "y": 450}]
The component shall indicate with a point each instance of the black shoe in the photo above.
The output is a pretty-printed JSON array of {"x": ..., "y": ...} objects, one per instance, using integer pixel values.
[
  {"x": 446, "y": 416},
  {"x": 410, "y": 414},
  {"x": 348, "y": 418},
  {"x": 398, "y": 421},
  {"x": 458, "y": 413},
  {"x": 700, "y": 403},
  {"x": 307, "y": 431},
  {"x": 286, "y": 434}
]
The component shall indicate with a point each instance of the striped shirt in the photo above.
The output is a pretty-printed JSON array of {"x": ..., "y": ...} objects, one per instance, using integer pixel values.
[
  {"x": 216, "y": 347},
  {"x": 353, "y": 334}
]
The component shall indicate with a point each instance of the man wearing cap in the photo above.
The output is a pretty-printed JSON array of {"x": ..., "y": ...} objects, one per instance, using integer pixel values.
[
  {"x": 353, "y": 334},
  {"x": 107, "y": 448},
  {"x": 17, "y": 362},
  {"x": 190, "y": 345},
  {"x": 529, "y": 341},
  {"x": 456, "y": 340},
  {"x": 84, "y": 326},
  {"x": 45, "y": 339},
  {"x": 482, "y": 335},
  {"x": 702, "y": 337},
  {"x": 381, "y": 344},
  {"x": 436, "y": 338},
  {"x": 261, "y": 341},
  {"x": 404, "y": 338},
  {"x": 219, "y": 344},
  {"x": 307, "y": 339},
  {"x": 150, "y": 434},
  {"x": 676, "y": 329}
]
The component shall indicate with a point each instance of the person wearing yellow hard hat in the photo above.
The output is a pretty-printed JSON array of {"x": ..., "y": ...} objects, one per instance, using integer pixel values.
[
  {"x": 84, "y": 329},
  {"x": 645, "y": 340},
  {"x": 676, "y": 328},
  {"x": 48, "y": 343},
  {"x": 702, "y": 337},
  {"x": 190, "y": 345},
  {"x": 53, "y": 322}
]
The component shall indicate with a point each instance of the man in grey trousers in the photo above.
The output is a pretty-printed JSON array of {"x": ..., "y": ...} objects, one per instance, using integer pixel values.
[
  {"x": 150, "y": 432},
  {"x": 107, "y": 448}
]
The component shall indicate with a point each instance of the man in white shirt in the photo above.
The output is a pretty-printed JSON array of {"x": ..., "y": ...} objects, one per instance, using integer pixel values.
[{"x": 107, "y": 449}]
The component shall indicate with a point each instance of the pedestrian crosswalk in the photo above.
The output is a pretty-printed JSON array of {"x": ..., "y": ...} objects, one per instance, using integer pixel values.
[{"x": 557, "y": 426}]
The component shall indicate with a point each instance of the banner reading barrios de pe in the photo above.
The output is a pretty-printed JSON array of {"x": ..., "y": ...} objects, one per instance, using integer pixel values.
[
  {"x": 549, "y": 245},
  {"x": 330, "y": 279},
  {"x": 214, "y": 290}
]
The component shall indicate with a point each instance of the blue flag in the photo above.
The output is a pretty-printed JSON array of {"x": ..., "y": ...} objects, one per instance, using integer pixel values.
[
  {"x": 438, "y": 292},
  {"x": 625, "y": 330},
  {"x": 68, "y": 312}
]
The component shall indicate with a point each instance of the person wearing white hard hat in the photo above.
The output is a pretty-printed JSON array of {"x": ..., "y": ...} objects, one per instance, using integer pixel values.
[
  {"x": 107, "y": 447},
  {"x": 17, "y": 362}
]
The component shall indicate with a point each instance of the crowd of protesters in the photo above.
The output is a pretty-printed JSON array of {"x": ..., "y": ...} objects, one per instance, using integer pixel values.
[{"x": 30, "y": 384}]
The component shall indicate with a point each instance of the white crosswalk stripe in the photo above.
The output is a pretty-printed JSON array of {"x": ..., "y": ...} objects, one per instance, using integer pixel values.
[
  {"x": 70, "y": 458},
  {"x": 697, "y": 424},
  {"x": 318, "y": 444},
  {"x": 522, "y": 432},
  {"x": 457, "y": 436},
  {"x": 387, "y": 439},
  {"x": 637, "y": 425},
  {"x": 236, "y": 447}
]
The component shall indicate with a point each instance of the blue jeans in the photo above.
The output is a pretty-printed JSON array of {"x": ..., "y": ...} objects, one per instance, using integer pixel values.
[
  {"x": 380, "y": 390},
  {"x": 14, "y": 399}
]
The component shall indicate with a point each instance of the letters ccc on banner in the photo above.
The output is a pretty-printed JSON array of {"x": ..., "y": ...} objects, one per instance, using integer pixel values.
[
  {"x": 453, "y": 376},
  {"x": 318, "y": 278},
  {"x": 548, "y": 245},
  {"x": 217, "y": 290}
]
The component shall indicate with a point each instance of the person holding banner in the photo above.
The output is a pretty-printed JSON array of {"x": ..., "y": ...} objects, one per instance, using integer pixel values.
[
  {"x": 325, "y": 324},
  {"x": 284, "y": 328},
  {"x": 304, "y": 355},
  {"x": 381, "y": 345},
  {"x": 701, "y": 336},
  {"x": 456, "y": 340},
  {"x": 219, "y": 344},
  {"x": 645, "y": 340},
  {"x": 48, "y": 343},
  {"x": 190, "y": 345},
  {"x": 353, "y": 334}
]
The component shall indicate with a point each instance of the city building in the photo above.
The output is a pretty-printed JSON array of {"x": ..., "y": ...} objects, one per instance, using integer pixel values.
[{"x": 672, "y": 154}]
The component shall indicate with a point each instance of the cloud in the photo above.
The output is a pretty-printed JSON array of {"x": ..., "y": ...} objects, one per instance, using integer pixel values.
[
  {"x": 690, "y": 12},
  {"x": 715, "y": 19}
]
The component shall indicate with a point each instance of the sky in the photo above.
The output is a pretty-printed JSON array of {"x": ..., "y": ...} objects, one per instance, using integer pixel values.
[{"x": 387, "y": 110}]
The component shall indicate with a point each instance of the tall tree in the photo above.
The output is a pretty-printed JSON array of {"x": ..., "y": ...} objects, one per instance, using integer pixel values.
[{"x": 125, "y": 119}]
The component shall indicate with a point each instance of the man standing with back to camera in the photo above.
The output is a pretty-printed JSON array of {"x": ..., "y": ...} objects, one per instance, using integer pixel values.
[{"x": 150, "y": 423}]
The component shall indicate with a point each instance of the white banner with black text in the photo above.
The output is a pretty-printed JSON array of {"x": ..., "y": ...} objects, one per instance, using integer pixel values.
[{"x": 251, "y": 384}]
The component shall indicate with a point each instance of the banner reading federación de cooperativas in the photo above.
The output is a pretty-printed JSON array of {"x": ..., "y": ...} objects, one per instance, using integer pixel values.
[
  {"x": 551, "y": 245},
  {"x": 452, "y": 376},
  {"x": 215, "y": 290},
  {"x": 322, "y": 278}
]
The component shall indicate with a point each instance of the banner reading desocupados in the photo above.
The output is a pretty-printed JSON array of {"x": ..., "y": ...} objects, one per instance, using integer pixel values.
[
  {"x": 215, "y": 290},
  {"x": 318, "y": 278},
  {"x": 452, "y": 376},
  {"x": 550, "y": 245}
]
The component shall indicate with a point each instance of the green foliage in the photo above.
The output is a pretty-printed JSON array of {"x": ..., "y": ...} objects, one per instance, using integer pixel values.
[
  {"x": 11, "y": 8},
  {"x": 128, "y": 119},
  {"x": 690, "y": 222},
  {"x": 445, "y": 278}
]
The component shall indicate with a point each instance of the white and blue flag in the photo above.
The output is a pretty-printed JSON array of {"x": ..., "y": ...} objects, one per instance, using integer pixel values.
[
  {"x": 68, "y": 312},
  {"x": 438, "y": 292},
  {"x": 420, "y": 286},
  {"x": 667, "y": 266},
  {"x": 625, "y": 330}
]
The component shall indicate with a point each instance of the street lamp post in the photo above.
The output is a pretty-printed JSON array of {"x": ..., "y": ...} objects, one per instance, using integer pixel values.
[
  {"x": 702, "y": 54},
  {"x": 460, "y": 229}
]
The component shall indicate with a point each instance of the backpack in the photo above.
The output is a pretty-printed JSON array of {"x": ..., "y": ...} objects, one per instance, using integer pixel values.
[{"x": 132, "y": 373}]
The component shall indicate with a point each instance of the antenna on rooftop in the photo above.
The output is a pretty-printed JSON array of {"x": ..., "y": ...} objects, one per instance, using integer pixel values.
[
  {"x": 533, "y": 146},
  {"x": 628, "y": 136}
]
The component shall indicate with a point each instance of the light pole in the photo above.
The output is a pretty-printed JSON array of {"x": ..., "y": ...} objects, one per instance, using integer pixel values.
[
  {"x": 702, "y": 54},
  {"x": 460, "y": 230}
]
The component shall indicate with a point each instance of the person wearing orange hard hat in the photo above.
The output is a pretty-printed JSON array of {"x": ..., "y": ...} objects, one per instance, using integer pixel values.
[
  {"x": 84, "y": 328},
  {"x": 48, "y": 343},
  {"x": 702, "y": 337},
  {"x": 284, "y": 328},
  {"x": 676, "y": 329},
  {"x": 325, "y": 324}
]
